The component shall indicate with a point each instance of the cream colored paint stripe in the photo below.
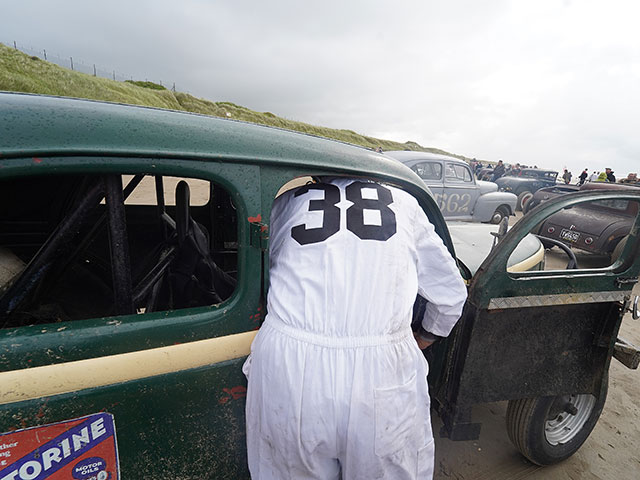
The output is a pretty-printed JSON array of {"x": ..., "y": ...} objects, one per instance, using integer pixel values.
[{"x": 36, "y": 382}]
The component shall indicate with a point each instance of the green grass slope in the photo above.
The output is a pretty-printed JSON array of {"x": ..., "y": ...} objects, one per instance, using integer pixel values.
[{"x": 22, "y": 73}]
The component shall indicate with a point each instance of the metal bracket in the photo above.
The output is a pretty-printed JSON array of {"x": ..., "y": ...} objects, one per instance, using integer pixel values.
[
  {"x": 625, "y": 281},
  {"x": 259, "y": 235},
  {"x": 626, "y": 353},
  {"x": 503, "y": 227},
  {"x": 635, "y": 313}
]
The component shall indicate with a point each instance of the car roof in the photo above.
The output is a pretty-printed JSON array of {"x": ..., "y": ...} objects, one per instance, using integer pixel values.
[
  {"x": 608, "y": 186},
  {"x": 539, "y": 170},
  {"x": 42, "y": 127},
  {"x": 38, "y": 125},
  {"x": 406, "y": 156}
]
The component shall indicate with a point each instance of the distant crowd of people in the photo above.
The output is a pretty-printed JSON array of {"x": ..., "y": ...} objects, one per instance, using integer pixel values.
[
  {"x": 500, "y": 170},
  {"x": 606, "y": 176}
]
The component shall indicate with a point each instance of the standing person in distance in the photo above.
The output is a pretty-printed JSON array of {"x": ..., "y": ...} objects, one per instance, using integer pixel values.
[
  {"x": 498, "y": 171},
  {"x": 610, "y": 176},
  {"x": 583, "y": 177},
  {"x": 337, "y": 382}
]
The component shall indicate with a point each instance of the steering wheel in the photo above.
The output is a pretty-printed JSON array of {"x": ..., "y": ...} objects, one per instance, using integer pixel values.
[{"x": 573, "y": 262}]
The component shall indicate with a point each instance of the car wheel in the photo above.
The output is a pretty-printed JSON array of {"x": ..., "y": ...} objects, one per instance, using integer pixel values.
[
  {"x": 548, "y": 430},
  {"x": 523, "y": 198},
  {"x": 500, "y": 213}
]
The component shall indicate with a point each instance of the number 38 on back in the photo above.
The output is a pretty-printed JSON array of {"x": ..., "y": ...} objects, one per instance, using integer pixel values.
[{"x": 355, "y": 213}]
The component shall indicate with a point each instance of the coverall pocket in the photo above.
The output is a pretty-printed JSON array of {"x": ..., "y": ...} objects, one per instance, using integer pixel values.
[
  {"x": 395, "y": 414},
  {"x": 424, "y": 468}
]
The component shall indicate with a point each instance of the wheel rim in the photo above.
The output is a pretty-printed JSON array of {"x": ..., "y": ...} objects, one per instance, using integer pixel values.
[
  {"x": 562, "y": 427},
  {"x": 497, "y": 216}
]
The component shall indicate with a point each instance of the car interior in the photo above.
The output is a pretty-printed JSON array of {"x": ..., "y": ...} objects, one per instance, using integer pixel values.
[{"x": 84, "y": 246}]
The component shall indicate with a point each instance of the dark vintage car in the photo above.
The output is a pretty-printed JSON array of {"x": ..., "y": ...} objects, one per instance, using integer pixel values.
[
  {"x": 134, "y": 254},
  {"x": 526, "y": 183},
  {"x": 547, "y": 193},
  {"x": 599, "y": 227},
  {"x": 484, "y": 173}
]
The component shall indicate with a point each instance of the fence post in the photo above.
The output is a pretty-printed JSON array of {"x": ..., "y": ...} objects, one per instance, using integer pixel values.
[
  {"x": 14, "y": 45},
  {"x": 174, "y": 87},
  {"x": 114, "y": 75},
  {"x": 94, "y": 69},
  {"x": 71, "y": 62},
  {"x": 45, "y": 54}
]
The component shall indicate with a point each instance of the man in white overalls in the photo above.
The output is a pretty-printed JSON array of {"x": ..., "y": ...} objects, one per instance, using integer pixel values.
[{"x": 337, "y": 383}]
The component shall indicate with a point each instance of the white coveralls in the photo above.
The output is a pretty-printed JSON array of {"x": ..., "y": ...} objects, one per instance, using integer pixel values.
[{"x": 337, "y": 384}]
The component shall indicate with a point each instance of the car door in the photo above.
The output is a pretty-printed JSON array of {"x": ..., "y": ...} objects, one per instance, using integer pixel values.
[
  {"x": 168, "y": 375},
  {"x": 534, "y": 334},
  {"x": 460, "y": 191}
]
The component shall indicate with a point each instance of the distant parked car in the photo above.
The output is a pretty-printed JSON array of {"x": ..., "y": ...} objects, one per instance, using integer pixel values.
[
  {"x": 599, "y": 227},
  {"x": 459, "y": 195},
  {"x": 484, "y": 173},
  {"x": 548, "y": 193},
  {"x": 529, "y": 181}
]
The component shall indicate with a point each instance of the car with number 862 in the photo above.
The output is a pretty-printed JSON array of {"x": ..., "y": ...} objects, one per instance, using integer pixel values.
[{"x": 459, "y": 195}]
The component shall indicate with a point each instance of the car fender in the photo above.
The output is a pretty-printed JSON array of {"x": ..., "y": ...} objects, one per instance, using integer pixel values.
[
  {"x": 486, "y": 187},
  {"x": 611, "y": 236},
  {"x": 486, "y": 205}
]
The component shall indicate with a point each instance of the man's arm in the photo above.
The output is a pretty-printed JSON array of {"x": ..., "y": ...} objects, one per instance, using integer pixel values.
[
  {"x": 439, "y": 280},
  {"x": 425, "y": 339}
]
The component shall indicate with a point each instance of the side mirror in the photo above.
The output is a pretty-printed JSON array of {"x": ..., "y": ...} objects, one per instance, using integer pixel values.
[{"x": 502, "y": 231}]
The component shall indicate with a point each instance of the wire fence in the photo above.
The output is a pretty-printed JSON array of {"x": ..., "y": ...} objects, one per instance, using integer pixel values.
[{"x": 79, "y": 65}]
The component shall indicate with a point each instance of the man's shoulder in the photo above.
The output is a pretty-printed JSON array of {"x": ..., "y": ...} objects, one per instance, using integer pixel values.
[{"x": 399, "y": 195}]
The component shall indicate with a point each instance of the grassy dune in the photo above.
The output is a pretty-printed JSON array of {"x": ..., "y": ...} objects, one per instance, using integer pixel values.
[{"x": 22, "y": 73}]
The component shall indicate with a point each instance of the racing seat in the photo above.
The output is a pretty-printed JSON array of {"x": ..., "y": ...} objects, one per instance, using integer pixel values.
[{"x": 190, "y": 276}]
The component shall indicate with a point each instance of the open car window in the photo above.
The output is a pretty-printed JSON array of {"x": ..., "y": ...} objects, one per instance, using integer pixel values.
[
  {"x": 79, "y": 246},
  {"x": 584, "y": 236}
]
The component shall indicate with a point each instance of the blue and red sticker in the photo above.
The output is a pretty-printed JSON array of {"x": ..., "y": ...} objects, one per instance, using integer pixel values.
[{"x": 82, "y": 449}]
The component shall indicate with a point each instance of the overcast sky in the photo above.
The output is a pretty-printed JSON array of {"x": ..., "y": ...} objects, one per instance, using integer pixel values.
[{"x": 547, "y": 82}]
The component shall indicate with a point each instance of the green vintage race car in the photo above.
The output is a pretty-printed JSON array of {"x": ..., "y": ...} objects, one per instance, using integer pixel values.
[{"x": 133, "y": 276}]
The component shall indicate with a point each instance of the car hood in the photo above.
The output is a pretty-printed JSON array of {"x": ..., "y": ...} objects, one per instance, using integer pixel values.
[
  {"x": 487, "y": 187},
  {"x": 473, "y": 242}
]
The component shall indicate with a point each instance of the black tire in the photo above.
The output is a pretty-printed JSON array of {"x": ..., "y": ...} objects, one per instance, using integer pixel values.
[
  {"x": 529, "y": 205},
  {"x": 533, "y": 422},
  {"x": 523, "y": 198},
  {"x": 500, "y": 213}
]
